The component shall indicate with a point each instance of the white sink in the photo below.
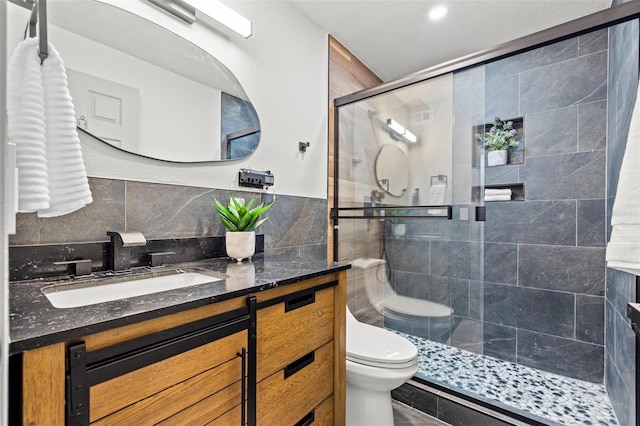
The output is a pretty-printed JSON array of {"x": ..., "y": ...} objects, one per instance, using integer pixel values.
[{"x": 79, "y": 294}]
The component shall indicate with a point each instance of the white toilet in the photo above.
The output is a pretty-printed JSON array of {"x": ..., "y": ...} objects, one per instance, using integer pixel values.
[
  {"x": 386, "y": 301},
  {"x": 377, "y": 362}
]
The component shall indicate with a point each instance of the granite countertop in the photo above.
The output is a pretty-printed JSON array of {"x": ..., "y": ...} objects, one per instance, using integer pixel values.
[{"x": 34, "y": 322}]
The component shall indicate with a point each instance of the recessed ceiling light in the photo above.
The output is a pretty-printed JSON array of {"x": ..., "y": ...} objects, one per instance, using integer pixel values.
[{"x": 437, "y": 12}]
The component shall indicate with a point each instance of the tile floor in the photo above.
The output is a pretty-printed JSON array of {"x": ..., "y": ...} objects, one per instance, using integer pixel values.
[
  {"x": 551, "y": 398},
  {"x": 403, "y": 415}
]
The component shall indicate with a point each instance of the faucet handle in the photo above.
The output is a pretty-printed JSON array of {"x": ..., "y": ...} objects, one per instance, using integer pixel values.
[
  {"x": 77, "y": 267},
  {"x": 128, "y": 238}
]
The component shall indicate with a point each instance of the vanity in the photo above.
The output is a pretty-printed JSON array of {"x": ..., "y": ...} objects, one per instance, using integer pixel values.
[{"x": 264, "y": 346}]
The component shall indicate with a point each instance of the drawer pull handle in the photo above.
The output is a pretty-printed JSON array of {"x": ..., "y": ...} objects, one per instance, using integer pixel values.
[
  {"x": 299, "y": 364},
  {"x": 307, "y": 420},
  {"x": 299, "y": 302},
  {"x": 243, "y": 384}
]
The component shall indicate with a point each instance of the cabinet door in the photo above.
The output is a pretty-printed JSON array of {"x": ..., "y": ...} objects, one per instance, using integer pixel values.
[{"x": 193, "y": 387}]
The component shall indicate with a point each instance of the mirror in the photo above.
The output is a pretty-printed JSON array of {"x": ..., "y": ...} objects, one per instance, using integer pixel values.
[
  {"x": 145, "y": 90},
  {"x": 392, "y": 169}
]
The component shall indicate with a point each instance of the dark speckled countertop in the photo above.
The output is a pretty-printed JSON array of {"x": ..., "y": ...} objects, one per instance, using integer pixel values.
[{"x": 35, "y": 322}]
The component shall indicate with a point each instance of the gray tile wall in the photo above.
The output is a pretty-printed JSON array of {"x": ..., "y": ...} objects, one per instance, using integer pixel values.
[
  {"x": 296, "y": 225},
  {"x": 537, "y": 298},
  {"x": 620, "y": 287}
]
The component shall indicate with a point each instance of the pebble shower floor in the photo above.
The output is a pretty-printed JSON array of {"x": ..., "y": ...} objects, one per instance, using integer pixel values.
[{"x": 551, "y": 398}]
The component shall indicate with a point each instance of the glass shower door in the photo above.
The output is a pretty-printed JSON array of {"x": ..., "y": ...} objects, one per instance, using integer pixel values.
[{"x": 409, "y": 175}]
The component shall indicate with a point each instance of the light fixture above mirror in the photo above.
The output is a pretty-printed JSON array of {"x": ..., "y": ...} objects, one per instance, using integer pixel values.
[
  {"x": 190, "y": 11},
  {"x": 399, "y": 132}
]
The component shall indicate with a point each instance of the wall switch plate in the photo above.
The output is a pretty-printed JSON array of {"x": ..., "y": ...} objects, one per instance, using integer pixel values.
[{"x": 464, "y": 213}]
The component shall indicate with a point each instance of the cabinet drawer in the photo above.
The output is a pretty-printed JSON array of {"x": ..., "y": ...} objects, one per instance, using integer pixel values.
[
  {"x": 322, "y": 415},
  {"x": 115, "y": 394},
  {"x": 287, "y": 396},
  {"x": 289, "y": 330}
]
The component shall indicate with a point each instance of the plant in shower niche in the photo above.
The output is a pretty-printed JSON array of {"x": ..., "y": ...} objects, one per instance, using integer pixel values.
[
  {"x": 241, "y": 221},
  {"x": 500, "y": 137}
]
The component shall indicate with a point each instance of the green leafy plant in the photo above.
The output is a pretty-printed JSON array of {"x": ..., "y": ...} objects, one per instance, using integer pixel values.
[
  {"x": 500, "y": 136},
  {"x": 240, "y": 217}
]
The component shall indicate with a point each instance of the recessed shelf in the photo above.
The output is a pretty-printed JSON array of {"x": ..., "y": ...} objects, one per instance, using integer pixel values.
[
  {"x": 516, "y": 155},
  {"x": 517, "y": 192}
]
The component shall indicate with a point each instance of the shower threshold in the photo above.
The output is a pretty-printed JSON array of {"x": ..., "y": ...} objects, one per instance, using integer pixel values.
[{"x": 546, "y": 397}]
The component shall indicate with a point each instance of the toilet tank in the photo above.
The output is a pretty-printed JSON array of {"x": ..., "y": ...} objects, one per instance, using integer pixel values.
[{"x": 372, "y": 273}]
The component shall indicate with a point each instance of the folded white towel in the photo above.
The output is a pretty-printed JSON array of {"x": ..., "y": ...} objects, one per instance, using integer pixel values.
[
  {"x": 497, "y": 191},
  {"x": 68, "y": 183},
  {"x": 623, "y": 250},
  {"x": 26, "y": 125},
  {"x": 497, "y": 197}
]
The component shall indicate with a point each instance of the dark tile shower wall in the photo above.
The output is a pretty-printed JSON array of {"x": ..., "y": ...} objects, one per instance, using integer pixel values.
[
  {"x": 620, "y": 287},
  {"x": 296, "y": 225},
  {"x": 538, "y": 297}
]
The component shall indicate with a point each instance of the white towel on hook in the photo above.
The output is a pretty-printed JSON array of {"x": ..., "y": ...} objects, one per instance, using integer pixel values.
[
  {"x": 623, "y": 250},
  {"x": 68, "y": 183},
  {"x": 26, "y": 125}
]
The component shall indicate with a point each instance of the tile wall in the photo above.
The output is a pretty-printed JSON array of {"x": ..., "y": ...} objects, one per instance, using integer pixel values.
[
  {"x": 620, "y": 341},
  {"x": 296, "y": 225}
]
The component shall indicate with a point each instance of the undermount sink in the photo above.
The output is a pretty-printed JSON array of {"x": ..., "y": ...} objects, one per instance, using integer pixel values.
[{"x": 108, "y": 289}]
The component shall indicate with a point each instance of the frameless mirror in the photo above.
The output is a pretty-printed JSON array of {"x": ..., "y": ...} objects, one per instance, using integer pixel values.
[
  {"x": 145, "y": 90},
  {"x": 392, "y": 169}
]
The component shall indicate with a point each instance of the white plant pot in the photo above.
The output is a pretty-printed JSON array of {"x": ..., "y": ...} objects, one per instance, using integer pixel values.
[
  {"x": 497, "y": 158},
  {"x": 240, "y": 245}
]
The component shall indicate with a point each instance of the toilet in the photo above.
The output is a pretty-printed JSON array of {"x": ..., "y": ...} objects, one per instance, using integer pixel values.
[
  {"x": 377, "y": 362},
  {"x": 386, "y": 301}
]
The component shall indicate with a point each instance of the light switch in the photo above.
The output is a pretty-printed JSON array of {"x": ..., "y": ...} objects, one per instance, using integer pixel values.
[{"x": 464, "y": 213}]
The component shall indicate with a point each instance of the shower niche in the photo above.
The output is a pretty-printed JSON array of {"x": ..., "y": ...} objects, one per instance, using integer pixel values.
[{"x": 515, "y": 154}]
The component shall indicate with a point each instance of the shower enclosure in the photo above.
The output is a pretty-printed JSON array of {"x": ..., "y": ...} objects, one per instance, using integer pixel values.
[{"x": 509, "y": 259}]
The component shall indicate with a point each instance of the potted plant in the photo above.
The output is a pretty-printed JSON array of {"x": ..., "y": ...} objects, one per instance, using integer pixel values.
[
  {"x": 241, "y": 221},
  {"x": 498, "y": 140}
]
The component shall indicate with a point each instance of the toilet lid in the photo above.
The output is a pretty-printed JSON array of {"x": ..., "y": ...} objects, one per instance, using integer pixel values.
[{"x": 375, "y": 346}]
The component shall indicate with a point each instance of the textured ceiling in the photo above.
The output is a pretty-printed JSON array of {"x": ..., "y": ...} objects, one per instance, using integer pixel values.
[{"x": 395, "y": 37}]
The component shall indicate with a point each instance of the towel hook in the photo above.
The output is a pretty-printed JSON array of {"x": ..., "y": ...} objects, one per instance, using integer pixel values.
[
  {"x": 42, "y": 27},
  {"x": 39, "y": 18}
]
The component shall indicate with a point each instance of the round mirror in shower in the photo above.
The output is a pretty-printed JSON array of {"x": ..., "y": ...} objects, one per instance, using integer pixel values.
[{"x": 392, "y": 169}]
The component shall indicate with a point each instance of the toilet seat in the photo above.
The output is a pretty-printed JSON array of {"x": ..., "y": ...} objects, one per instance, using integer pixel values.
[{"x": 377, "y": 347}]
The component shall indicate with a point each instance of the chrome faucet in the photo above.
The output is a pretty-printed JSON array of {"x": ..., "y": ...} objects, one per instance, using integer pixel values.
[{"x": 121, "y": 243}]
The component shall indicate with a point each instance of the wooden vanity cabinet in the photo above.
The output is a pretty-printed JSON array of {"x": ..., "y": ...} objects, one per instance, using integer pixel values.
[{"x": 187, "y": 368}]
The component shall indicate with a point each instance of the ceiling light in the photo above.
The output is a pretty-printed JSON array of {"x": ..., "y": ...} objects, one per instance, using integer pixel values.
[
  {"x": 224, "y": 15},
  {"x": 437, "y": 12}
]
